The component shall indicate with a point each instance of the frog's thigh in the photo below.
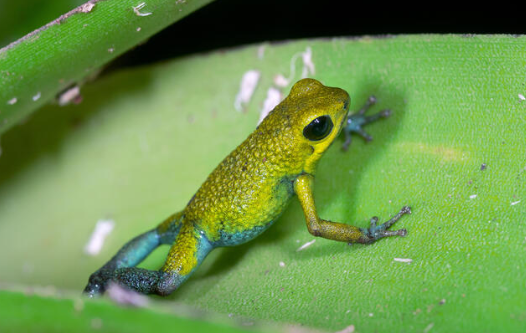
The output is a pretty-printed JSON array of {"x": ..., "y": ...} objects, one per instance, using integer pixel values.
[{"x": 187, "y": 253}]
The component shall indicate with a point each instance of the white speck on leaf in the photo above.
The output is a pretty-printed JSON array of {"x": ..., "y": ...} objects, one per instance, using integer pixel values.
[
  {"x": 126, "y": 296},
  {"x": 12, "y": 101},
  {"x": 138, "y": 29},
  {"x": 281, "y": 81},
  {"x": 306, "y": 245},
  {"x": 261, "y": 52},
  {"x": 348, "y": 329},
  {"x": 515, "y": 202},
  {"x": 137, "y": 10},
  {"x": 521, "y": 97},
  {"x": 68, "y": 96},
  {"x": 248, "y": 84},
  {"x": 407, "y": 260},
  {"x": 102, "y": 229},
  {"x": 281, "y": 264},
  {"x": 36, "y": 97},
  {"x": 473, "y": 196},
  {"x": 428, "y": 328},
  {"x": 274, "y": 97},
  {"x": 96, "y": 323},
  {"x": 87, "y": 7},
  {"x": 308, "y": 65},
  {"x": 78, "y": 304},
  {"x": 111, "y": 49}
]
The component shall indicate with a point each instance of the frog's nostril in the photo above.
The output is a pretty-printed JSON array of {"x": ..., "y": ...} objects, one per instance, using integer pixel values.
[{"x": 346, "y": 104}]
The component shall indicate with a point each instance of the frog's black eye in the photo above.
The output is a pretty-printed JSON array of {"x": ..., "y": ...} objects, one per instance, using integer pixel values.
[{"x": 318, "y": 129}]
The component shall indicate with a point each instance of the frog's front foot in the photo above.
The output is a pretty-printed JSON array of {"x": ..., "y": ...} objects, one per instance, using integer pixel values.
[
  {"x": 357, "y": 120},
  {"x": 375, "y": 232},
  {"x": 97, "y": 283}
]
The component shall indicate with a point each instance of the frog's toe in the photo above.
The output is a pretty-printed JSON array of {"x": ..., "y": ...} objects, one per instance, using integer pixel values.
[
  {"x": 357, "y": 120},
  {"x": 93, "y": 290},
  {"x": 385, "y": 113},
  {"x": 375, "y": 232},
  {"x": 364, "y": 135},
  {"x": 96, "y": 285}
]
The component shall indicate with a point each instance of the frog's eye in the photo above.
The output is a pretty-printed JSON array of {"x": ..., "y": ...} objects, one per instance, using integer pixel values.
[{"x": 318, "y": 129}]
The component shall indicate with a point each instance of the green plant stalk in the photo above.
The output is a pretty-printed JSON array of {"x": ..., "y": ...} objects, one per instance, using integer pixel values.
[{"x": 37, "y": 67}]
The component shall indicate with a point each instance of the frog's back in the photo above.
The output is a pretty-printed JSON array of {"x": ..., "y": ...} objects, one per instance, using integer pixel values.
[{"x": 251, "y": 187}]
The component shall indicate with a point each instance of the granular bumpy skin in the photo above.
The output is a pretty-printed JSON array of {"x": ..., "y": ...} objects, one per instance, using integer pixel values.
[
  {"x": 246, "y": 193},
  {"x": 254, "y": 184}
]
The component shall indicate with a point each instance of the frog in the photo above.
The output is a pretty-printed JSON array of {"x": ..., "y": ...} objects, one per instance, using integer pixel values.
[{"x": 247, "y": 192}]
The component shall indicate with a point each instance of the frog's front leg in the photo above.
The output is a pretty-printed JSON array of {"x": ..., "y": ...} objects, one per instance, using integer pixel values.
[
  {"x": 357, "y": 120},
  {"x": 338, "y": 231}
]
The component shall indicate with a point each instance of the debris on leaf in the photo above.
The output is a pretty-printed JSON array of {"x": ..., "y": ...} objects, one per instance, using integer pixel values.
[
  {"x": 407, "y": 260},
  {"x": 125, "y": 296},
  {"x": 249, "y": 82},
  {"x": 70, "y": 95},
  {"x": 348, "y": 329},
  {"x": 306, "y": 245},
  {"x": 274, "y": 97},
  {"x": 102, "y": 229},
  {"x": 137, "y": 9},
  {"x": 87, "y": 7}
]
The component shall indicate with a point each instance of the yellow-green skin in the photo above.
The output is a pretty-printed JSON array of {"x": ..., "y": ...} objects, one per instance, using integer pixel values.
[{"x": 243, "y": 196}]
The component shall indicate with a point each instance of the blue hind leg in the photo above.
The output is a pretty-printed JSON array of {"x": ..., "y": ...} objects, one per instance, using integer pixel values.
[
  {"x": 132, "y": 253},
  {"x": 187, "y": 252}
]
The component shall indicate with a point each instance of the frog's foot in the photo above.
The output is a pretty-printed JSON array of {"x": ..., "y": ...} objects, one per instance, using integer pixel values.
[
  {"x": 97, "y": 283},
  {"x": 357, "y": 120},
  {"x": 375, "y": 232},
  {"x": 138, "y": 279}
]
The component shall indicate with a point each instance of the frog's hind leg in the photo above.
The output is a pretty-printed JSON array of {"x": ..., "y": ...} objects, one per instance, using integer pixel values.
[
  {"x": 133, "y": 252},
  {"x": 187, "y": 252}
]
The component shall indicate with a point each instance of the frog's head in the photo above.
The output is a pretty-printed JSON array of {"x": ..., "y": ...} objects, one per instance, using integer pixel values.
[{"x": 318, "y": 118}]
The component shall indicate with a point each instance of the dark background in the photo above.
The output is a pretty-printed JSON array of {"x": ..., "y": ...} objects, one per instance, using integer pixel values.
[{"x": 229, "y": 23}]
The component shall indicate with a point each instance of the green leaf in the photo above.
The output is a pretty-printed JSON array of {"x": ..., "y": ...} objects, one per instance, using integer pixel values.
[
  {"x": 17, "y": 19},
  {"x": 142, "y": 141},
  {"x": 28, "y": 312},
  {"x": 71, "y": 49}
]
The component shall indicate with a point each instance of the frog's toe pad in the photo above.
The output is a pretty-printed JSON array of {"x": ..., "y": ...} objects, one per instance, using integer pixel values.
[
  {"x": 96, "y": 285},
  {"x": 376, "y": 232}
]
